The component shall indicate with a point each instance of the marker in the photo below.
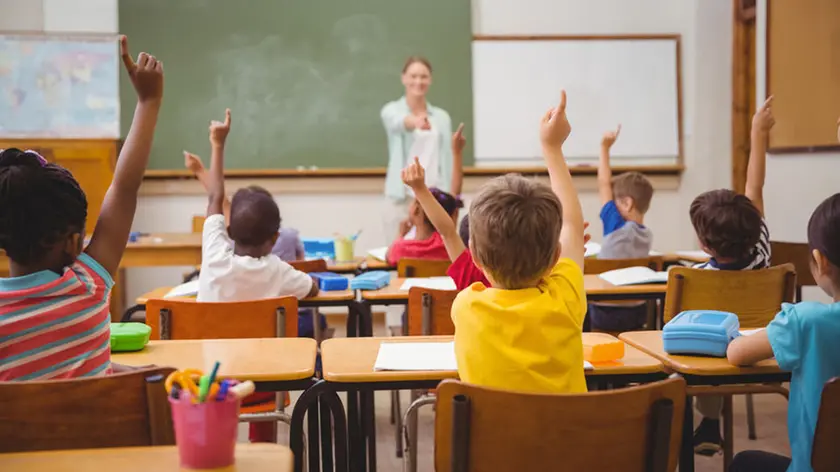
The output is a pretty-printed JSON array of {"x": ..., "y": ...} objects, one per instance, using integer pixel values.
[
  {"x": 223, "y": 390},
  {"x": 214, "y": 372},
  {"x": 175, "y": 393},
  {"x": 203, "y": 388},
  {"x": 243, "y": 390}
]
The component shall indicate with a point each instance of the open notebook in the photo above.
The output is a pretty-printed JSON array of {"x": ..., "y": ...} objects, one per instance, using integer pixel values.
[
  {"x": 380, "y": 254},
  {"x": 434, "y": 283},
  {"x": 592, "y": 249},
  {"x": 634, "y": 276},
  {"x": 189, "y": 289},
  {"x": 421, "y": 356}
]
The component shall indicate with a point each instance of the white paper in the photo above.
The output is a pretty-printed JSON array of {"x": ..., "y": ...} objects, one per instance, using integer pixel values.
[
  {"x": 750, "y": 332},
  {"x": 653, "y": 253},
  {"x": 380, "y": 253},
  {"x": 189, "y": 289},
  {"x": 588, "y": 365},
  {"x": 634, "y": 275},
  {"x": 693, "y": 254},
  {"x": 416, "y": 356},
  {"x": 591, "y": 249},
  {"x": 434, "y": 283}
]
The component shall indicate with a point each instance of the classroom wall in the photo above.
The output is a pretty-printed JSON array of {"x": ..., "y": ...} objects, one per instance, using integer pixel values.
[{"x": 322, "y": 207}]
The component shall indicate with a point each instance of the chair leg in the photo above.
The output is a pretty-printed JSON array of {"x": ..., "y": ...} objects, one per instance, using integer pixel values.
[
  {"x": 393, "y": 404},
  {"x": 410, "y": 449},
  {"x": 395, "y": 398},
  {"x": 751, "y": 417},
  {"x": 728, "y": 433}
]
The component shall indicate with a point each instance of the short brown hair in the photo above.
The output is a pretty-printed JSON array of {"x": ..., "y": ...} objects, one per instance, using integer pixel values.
[
  {"x": 727, "y": 223},
  {"x": 422, "y": 60},
  {"x": 515, "y": 229},
  {"x": 635, "y": 186}
]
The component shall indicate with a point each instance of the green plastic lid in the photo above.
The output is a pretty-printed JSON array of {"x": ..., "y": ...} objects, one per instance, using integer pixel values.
[{"x": 126, "y": 337}]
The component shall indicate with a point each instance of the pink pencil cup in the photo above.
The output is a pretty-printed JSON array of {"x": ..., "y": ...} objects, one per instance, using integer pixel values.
[{"x": 205, "y": 432}]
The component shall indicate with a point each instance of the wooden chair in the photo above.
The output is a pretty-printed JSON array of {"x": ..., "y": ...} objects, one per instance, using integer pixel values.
[
  {"x": 422, "y": 268},
  {"x": 798, "y": 254},
  {"x": 593, "y": 265},
  {"x": 269, "y": 318},
  {"x": 825, "y": 456},
  {"x": 756, "y": 296},
  {"x": 120, "y": 410},
  {"x": 429, "y": 314},
  {"x": 315, "y": 265},
  {"x": 625, "y": 430}
]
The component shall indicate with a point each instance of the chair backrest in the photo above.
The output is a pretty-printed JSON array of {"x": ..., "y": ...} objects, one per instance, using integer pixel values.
[
  {"x": 754, "y": 295},
  {"x": 825, "y": 455},
  {"x": 198, "y": 223},
  {"x": 120, "y": 410},
  {"x": 625, "y": 430},
  {"x": 315, "y": 265},
  {"x": 429, "y": 312},
  {"x": 798, "y": 254},
  {"x": 593, "y": 265},
  {"x": 188, "y": 319},
  {"x": 422, "y": 267}
]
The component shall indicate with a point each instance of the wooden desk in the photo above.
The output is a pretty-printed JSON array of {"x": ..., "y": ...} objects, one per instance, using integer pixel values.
[
  {"x": 694, "y": 257},
  {"x": 259, "y": 360},
  {"x": 249, "y": 457},
  {"x": 340, "y": 297}
]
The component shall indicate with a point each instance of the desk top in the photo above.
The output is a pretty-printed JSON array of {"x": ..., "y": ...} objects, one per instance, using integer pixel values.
[
  {"x": 167, "y": 240},
  {"x": 325, "y": 297},
  {"x": 650, "y": 342},
  {"x": 250, "y": 457},
  {"x": 264, "y": 359},
  {"x": 346, "y": 360}
]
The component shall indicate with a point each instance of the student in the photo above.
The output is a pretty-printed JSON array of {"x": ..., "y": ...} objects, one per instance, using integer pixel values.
[
  {"x": 236, "y": 260},
  {"x": 625, "y": 199},
  {"x": 731, "y": 228},
  {"x": 54, "y": 309},
  {"x": 803, "y": 339},
  {"x": 524, "y": 334}
]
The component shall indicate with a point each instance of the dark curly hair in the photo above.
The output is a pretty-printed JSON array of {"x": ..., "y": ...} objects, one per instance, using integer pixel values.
[
  {"x": 40, "y": 203},
  {"x": 727, "y": 223},
  {"x": 824, "y": 229}
]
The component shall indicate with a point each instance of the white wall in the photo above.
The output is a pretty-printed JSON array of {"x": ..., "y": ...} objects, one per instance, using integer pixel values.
[{"x": 706, "y": 32}]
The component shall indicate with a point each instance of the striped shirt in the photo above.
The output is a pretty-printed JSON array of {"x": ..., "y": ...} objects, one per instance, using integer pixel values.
[
  {"x": 56, "y": 327},
  {"x": 759, "y": 259}
]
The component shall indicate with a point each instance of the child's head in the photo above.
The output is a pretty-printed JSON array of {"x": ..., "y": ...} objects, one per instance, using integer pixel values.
[
  {"x": 824, "y": 241},
  {"x": 254, "y": 221},
  {"x": 632, "y": 192},
  {"x": 727, "y": 224},
  {"x": 42, "y": 212},
  {"x": 464, "y": 230},
  {"x": 514, "y": 231},
  {"x": 449, "y": 203}
]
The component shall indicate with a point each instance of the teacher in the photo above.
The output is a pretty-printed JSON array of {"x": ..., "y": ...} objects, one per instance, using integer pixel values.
[{"x": 415, "y": 128}]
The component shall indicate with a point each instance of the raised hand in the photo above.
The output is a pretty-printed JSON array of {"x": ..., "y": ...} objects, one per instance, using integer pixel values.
[
  {"x": 414, "y": 175},
  {"x": 219, "y": 130},
  {"x": 586, "y": 235},
  {"x": 554, "y": 126},
  {"x": 610, "y": 137},
  {"x": 458, "y": 139},
  {"x": 193, "y": 162},
  {"x": 763, "y": 119},
  {"x": 146, "y": 74}
]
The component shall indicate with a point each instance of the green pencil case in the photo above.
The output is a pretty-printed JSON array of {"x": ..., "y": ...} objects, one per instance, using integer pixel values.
[{"x": 127, "y": 337}]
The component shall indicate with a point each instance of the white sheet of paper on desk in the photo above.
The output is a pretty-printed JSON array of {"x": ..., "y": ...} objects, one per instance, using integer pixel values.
[
  {"x": 750, "y": 332},
  {"x": 380, "y": 253},
  {"x": 634, "y": 276},
  {"x": 591, "y": 249},
  {"x": 416, "y": 356},
  {"x": 588, "y": 365},
  {"x": 434, "y": 283},
  {"x": 189, "y": 289}
]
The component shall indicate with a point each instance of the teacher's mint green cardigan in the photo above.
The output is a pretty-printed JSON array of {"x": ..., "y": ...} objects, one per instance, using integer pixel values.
[{"x": 400, "y": 140}]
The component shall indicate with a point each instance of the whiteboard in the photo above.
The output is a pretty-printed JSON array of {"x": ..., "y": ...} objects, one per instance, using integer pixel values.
[{"x": 633, "y": 82}]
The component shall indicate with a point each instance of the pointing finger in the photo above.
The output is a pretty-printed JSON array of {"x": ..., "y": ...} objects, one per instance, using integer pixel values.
[
  {"x": 562, "y": 106},
  {"x": 618, "y": 130},
  {"x": 227, "y": 117},
  {"x": 128, "y": 62},
  {"x": 460, "y": 129},
  {"x": 768, "y": 102}
]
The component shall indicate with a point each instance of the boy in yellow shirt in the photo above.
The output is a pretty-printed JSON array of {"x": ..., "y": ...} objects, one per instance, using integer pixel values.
[{"x": 524, "y": 333}]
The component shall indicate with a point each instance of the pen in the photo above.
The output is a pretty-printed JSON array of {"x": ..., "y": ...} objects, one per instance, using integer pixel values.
[
  {"x": 214, "y": 372},
  {"x": 223, "y": 391}
]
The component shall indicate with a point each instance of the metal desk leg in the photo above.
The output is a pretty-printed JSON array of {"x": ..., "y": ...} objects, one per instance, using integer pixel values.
[
  {"x": 687, "y": 446},
  {"x": 371, "y": 430}
]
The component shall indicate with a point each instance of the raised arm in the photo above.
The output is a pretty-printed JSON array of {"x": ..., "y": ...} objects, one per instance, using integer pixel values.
[
  {"x": 762, "y": 122},
  {"x": 117, "y": 214},
  {"x": 414, "y": 176},
  {"x": 216, "y": 180},
  {"x": 554, "y": 129},
  {"x": 604, "y": 170},
  {"x": 394, "y": 120},
  {"x": 458, "y": 143},
  {"x": 193, "y": 163}
]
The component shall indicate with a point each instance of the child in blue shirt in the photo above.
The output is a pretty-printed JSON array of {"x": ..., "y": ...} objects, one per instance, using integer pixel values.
[{"x": 803, "y": 339}]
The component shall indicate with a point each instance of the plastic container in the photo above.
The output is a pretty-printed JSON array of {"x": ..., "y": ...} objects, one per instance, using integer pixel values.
[
  {"x": 319, "y": 248},
  {"x": 330, "y": 282},
  {"x": 372, "y": 280},
  {"x": 345, "y": 250},
  {"x": 598, "y": 347},
  {"x": 205, "y": 432},
  {"x": 700, "y": 333},
  {"x": 127, "y": 337}
]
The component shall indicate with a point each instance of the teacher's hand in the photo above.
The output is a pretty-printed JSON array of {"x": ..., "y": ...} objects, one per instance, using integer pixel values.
[{"x": 413, "y": 122}]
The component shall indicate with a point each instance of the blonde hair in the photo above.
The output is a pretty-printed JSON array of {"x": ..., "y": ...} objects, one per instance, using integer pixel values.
[
  {"x": 412, "y": 59},
  {"x": 635, "y": 186},
  {"x": 515, "y": 229}
]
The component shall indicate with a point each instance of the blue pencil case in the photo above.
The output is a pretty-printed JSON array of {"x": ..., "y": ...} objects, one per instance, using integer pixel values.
[
  {"x": 330, "y": 282},
  {"x": 319, "y": 248},
  {"x": 373, "y": 280},
  {"x": 700, "y": 333}
]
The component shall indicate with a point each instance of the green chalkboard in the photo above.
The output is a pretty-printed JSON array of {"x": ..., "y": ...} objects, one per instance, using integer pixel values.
[{"x": 305, "y": 79}]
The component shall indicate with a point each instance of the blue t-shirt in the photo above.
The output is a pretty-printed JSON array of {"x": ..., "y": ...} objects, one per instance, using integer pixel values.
[
  {"x": 611, "y": 218},
  {"x": 804, "y": 340}
]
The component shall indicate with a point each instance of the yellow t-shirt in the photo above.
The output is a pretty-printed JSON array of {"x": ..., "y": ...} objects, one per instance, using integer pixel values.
[{"x": 528, "y": 340}]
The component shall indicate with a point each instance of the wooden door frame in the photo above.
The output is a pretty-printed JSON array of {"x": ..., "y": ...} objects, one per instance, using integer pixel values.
[{"x": 743, "y": 87}]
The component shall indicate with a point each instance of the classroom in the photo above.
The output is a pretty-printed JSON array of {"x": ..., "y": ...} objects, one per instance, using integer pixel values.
[{"x": 412, "y": 226}]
